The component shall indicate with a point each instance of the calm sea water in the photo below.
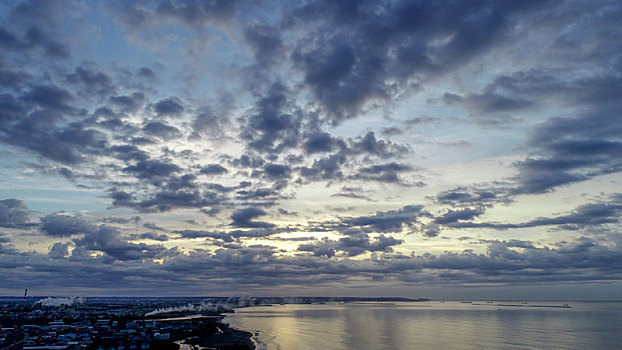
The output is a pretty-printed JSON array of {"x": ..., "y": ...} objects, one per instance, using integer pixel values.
[{"x": 434, "y": 325}]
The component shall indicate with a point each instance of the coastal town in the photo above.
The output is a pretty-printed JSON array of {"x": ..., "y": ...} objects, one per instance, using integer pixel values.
[{"x": 72, "y": 323}]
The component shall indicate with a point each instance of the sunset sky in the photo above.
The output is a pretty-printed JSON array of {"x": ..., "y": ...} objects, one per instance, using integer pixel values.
[{"x": 442, "y": 149}]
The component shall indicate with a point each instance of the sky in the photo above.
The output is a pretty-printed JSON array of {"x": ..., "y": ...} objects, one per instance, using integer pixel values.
[{"x": 464, "y": 149}]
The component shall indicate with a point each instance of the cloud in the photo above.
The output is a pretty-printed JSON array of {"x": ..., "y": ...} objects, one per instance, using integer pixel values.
[
  {"x": 171, "y": 107},
  {"x": 197, "y": 13},
  {"x": 60, "y": 225},
  {"x": 128, "y": 103},
  {"x": 383, "y": 173},
  {"x": 244, "y": 218},
  {"x": 488, "y": 103},
  {"x": 50, "y": 97},
  {"x": 571, "y": 150},
  {"x": 161, "y": 130},
  {"x": 328, "y": 168},
  {"x": 265, "y": 42},
  {"x": 369, "y": 144},
  {"x": 351, "y": 245},
  {"x": 149, "y": 235},
  {"x": 352, "y": 192},
  {"x": 59, "y": 250},
  {"x": 585, "y": 215},
  {"x": 388, "y": 221},
  {"x": 213, "y": 169},
  {"x": 452, "y": 216},
  {"x": 349, "y": 60},
  {"x": 319, "y": 142},
  {"x": 167, "y": 200},
  {"x": 463, "y": 196},
  {"x": 108, "y": 239},
  {"x": 70, "y": 144},
  {"x": 152, "y": 169},
  {"x": 91, "y": 82},
  {"x": 33, "y": 39},
  {"x": 271, "y": 128},
  {"x": 230, "y": 236},
  {"x": 277, "y": 171},
  {"x": 14, "y": 214},
  {"x": 292, "y": 94}
]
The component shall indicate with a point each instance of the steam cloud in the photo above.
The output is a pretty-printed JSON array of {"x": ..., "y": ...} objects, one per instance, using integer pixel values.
[
  {"x": 56, "y": 302},
  {"x": 208, "y": 306}
]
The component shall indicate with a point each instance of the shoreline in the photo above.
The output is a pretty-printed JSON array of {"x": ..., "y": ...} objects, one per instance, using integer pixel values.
[{"x": 226, "y": 338}]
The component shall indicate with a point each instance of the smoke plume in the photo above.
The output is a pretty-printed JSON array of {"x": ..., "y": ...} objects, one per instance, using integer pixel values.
[
  {"x": 208, "y": 306},
  {"x": 56, "y": 302}
]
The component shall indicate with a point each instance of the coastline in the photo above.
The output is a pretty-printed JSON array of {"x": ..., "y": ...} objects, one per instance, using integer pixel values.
[
  {"x": 216, "y": 334},
  {"x": 225, "y": 338}
]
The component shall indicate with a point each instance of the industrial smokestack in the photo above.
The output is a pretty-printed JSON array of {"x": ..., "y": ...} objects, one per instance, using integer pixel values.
[{"x": 25, "y": 294}]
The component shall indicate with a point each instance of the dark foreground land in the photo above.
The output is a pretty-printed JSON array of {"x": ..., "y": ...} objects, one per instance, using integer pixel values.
[{"x": 116, "y": 325}]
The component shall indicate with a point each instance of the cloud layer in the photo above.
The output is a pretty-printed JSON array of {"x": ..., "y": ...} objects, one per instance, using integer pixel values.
[{"x": 264, "y": 145}]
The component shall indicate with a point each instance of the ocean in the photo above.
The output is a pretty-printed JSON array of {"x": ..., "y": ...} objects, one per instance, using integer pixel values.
[{"x": 434, "y": 325}]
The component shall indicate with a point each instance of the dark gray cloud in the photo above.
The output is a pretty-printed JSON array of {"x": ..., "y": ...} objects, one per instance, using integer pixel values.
[
  {"x": 509, "y": 262},
  {"x": 328, "y": 168},
  {"x": 121, "y": 220},
  {"x": 61, "y": 225},
  {"x": 277, "y": 171},
  {"x": 109, "y": 240},
  {"x": 388, "y": 221},
  {"x": 197, "y": 13},
  {"x": 585, "y": 215},
  {"x": 173, "y": 193},
  {"x": 319, "y": 142},
  {"x": 14, "y": 213},
  {"x": 383, "y": 173},
  {"x": 10, "y": 110},
  {"x": 161, "y": 130},
  {"x": 33, "y": 38},
  {"x": 171, "y": 107},
  {"x": 571, "y": 150},
  {"x": 128, "y": 103},
  {"x": 13, "y": 79},
  {"x": 244, "y": 218},
  {"x": 153, "y": 226},
  {"x": 213, "y": 169},
  {"x": 59, "y": 250},
  {"x": 212, "y": 121},
  {"x": 149, "y": 235},
  {"x": 129, "y": 152},
  {"x": 364, "y": 55},
  {"x": 369, "y": 144},
  {"x": 152, "y": 169},
  {"x": 273, "y": 127},
  {"x": 89, "y": 81},
  {"x": 286, "y": 212},
  {"x": 452, "y": 216},
  {"x": 351, "y": 246},
  {"x": 265, "y": 197},
  {"x": 168, "y": 200},
  {"x": 38, "y": 131},
  {"x": 43, "y": 13},
  {"x": 265, "y": 42},
  {"x": 50, "y": 97},
  {"x": 233, "y": 235},
  {"x": 463, "y": 196}
]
